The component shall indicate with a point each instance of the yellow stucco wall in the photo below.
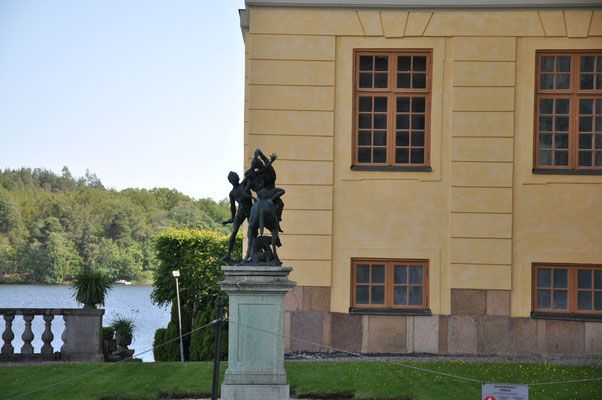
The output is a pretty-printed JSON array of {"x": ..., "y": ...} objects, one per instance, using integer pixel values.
[{"x": 480, "y": 217}]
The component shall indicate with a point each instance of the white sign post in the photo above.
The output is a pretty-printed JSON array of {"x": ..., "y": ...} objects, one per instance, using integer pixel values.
[{"x": 502, "y": 391}]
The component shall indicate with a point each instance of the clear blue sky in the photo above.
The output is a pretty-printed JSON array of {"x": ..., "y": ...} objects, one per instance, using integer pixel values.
[{"x": 144, "y": 93}]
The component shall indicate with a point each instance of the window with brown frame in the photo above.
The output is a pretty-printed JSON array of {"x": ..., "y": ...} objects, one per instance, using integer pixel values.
[
  {"x": 574, "y": 289},
  {"x": 389, "y": 284},
  {"x": 392, "y": 96},
  {"x": 568, "y": 116}
]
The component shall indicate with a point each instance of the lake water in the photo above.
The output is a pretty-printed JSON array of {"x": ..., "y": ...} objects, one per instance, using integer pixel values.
[{"x": 129, "y": 301}]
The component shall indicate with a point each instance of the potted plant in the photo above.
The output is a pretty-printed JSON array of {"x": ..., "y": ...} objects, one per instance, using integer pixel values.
[
  {"x": 124, "y": 331},
  {"x": 108, "y": 340},
  {"x": 90, "y": 288}
]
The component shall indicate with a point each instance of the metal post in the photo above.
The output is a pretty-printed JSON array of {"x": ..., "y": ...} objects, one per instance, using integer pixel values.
[
  {"x": 217, "y": 348},
  {"x": 180, "y": 320}
]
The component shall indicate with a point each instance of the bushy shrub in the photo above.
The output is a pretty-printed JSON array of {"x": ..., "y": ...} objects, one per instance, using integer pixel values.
[
  {"x": 202, "y": 343},
  {"x": 197, "y": 255}
]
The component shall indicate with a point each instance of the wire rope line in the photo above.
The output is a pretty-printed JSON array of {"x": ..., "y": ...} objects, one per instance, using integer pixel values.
[
  {"x": 406, "y": 365},
  {"x": 109, "y": 365}
]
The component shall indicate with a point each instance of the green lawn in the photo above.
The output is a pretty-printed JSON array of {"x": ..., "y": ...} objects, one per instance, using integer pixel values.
[{"x": 358, "y": 380}]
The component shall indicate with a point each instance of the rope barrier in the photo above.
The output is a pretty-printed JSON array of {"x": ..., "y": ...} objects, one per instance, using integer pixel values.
[
  {"x": 110, "y": 365},
  {"x": 378, "y": 359},
  {"x": 406, "y": 365}
]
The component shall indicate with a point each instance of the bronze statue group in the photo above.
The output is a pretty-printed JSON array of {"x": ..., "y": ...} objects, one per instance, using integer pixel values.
[{"x": 262, "y": 212}]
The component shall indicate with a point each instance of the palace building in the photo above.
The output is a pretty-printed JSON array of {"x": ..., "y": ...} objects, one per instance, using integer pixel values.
[{"x": 442, "y": 162}]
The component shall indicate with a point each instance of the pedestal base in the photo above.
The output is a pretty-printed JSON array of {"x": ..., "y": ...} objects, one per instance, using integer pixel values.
[
  {"x": 256, "y": 325},
  {"x": 255, "y": 392}
]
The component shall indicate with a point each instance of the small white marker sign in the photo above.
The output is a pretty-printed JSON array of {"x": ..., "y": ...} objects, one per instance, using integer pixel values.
[{"x": 500, "y": 391}]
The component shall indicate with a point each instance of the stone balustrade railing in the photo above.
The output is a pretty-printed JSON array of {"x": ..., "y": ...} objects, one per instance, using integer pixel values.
[{"x": 82, "y": 337}]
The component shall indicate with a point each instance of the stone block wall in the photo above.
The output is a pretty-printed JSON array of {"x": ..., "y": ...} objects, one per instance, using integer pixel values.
[{"x": 480, "y": 323}]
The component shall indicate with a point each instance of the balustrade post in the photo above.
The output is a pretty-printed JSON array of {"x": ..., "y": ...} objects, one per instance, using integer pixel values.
[
  {"x": 8, "y": 335},
  {"x": 27, "y": 336},
  {"x": 47, "y": 336}
]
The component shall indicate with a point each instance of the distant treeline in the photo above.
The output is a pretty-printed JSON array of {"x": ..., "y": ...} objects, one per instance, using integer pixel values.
[{"x": 51, "y": 226}]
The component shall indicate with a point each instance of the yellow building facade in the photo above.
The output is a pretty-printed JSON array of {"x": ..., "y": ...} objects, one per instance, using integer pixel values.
[{"x": 501, "y": 229}]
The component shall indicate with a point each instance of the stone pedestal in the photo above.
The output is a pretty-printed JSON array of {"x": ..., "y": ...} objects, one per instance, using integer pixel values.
[
  {"x": 82, "y": 337},
  {"x": 256, "y": 357}
]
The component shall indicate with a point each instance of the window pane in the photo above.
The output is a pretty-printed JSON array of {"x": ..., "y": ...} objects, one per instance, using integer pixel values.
[
  {"x": 598, "y": 141},
  {"x": 362, "y": 273},
  {"x": 365, "y": 138},
  {"x": 362, "y": 294},
  {"x": 381, "y": 63},
  {"x": 584, "y": 300},
  {"x": 380, "y": 121},
  {"x": 546, "y": 124},
  {"x": 403, "y": 80},
  {"x": 381, "y": 81},
  {"x": 562, "y": 124},
  {"x": 417, "y": 138},
  {"x": 419, "y": 63},
  {"x": 586, "y": 124},
  {"x": 544, "y": 299},
  {"x": 586, "y": 106},
  {"x": 586, "y": 82},
  {"x": 400, "y": 296},
  {"x": 563, "y": 81},
  {"x": 400, "y": 273},
  {"x": 585, "y": 158},
  {"x": 418, "y": 105},
  {"x": 378, "y": 274},
  {"x": 365, "y": 104},
  {"x": 416, "y": 274},
  {"x": 563, "y": 64},
  {"x": 545, "y": 158},
  {"x": 599, "y": 106},
  {"x": 599, "y": 64},
  {"x": 598, "y": 159},
  {"x": 418, "y": 122},
  {"x": 366, "y": 63},
  {"x": 546, "y": 106},
  {"x": 562, "y": 141},
  {"x": 365, "y": 121},
  {"x": 415, "y": 295},
  {"x": 586, "y": 141},
  {"x": 597, "y": 301},
  {"x": 402, "y": 156},
  {"x": 404, "y": 63},
  {"x": 419, "y": 81},
  {"x": 587, "y": 64},
  {"x": 547, "y": 81},
  {"x": 365, "y": 80},
  {"x": 561, "y": 300},
  {"x": 598, "y": 279},
  {"x": 561, "y": 158},
  {"x": 403, "y": 104},
  {"x": 544, "y": 278},
  {"x": 402, "y": 139},
  {"x": 599, "y": 124},
  {"x": 364, "y": 155},
  {"x": 545, "y": 140},
  {"x": 380, "y": 138},
  {"x": 417, "y": 156},
  {"x": 403, "y": 121},
  {"x": 379, "y": 155},
  {"x": 563, "y": 106},
  {"x": 598, "y": 81},
  {"x": 380, "y": 104},
  {"x": 547, "y": 64},
  {"x": 378, "y": 295},
  {"x": 561, "y": 278}
]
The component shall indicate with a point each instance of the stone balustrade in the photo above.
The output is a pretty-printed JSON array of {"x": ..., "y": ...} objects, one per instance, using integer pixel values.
[{"x": 82, "y": 336}]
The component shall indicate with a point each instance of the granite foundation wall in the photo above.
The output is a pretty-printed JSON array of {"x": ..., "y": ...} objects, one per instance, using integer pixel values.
[{"x": 480, "y": 323}]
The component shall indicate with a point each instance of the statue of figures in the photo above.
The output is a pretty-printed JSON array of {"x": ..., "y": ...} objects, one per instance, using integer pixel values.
[{"x": 263, "y": 212}]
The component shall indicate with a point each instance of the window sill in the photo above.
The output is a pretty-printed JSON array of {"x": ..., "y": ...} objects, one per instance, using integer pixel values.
[
  {"x": 567, "y": 171},
  {"x": 388, "y": 311},
  {"x": 567, "y": 316},
  {"x": 391, "y": 168}
]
